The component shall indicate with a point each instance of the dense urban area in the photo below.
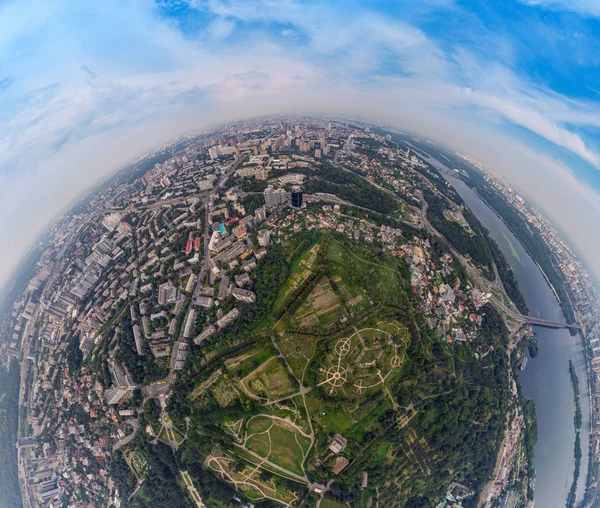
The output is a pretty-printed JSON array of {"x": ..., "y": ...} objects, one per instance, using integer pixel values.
[{"x": 282, "y": 311}]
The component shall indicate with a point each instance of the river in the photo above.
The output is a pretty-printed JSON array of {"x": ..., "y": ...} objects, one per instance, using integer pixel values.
[{"x": 546, "y": 379}]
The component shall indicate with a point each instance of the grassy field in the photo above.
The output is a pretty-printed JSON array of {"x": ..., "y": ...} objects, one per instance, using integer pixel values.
[
  {"x": 245, "y": 456},
  {"x": 360, "y": 278},
  {"x": 241, "y": 366},
  {"x": 271, "y": 380},
  {"x": 330, "y": 503},
  {"x": 277, "y": 441},
  {"x": 329, "y": 420},
  {"x": 259, "y": 424},
  {"x": 288, "y": 449},
  {"x": 260, "y": 443}
]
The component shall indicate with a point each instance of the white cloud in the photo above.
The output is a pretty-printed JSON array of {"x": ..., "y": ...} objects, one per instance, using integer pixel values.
[
  {"x": 90, "y": 84},
  {"x": 536, "y": 121}
]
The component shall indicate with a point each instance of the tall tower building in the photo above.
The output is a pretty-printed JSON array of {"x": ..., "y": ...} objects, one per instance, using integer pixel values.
[
  {"x": 296, "y": 197},
  {"x": 270, "y": 197}
]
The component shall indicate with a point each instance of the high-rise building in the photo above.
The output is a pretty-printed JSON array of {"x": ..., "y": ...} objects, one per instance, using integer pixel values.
[
  {"x": 261, "y": 213},
  {"x": 221, "y": 151},
  {"x": 137, "y": 335},
  {"x": 274, "y": 197},
  {"x": 296, "y": 196},
  {"x": 269, "y": 194},
  {"x": 243, "y": 295},
  {"x": 281, "y": 196},
  {"x": 304, "y": 145}
]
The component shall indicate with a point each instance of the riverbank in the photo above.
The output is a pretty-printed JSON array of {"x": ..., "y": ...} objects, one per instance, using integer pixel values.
[
  {"x": 577, "y": 423},
  {"x": 545, "y": 381},
  {"x": 526, "y": 249}
]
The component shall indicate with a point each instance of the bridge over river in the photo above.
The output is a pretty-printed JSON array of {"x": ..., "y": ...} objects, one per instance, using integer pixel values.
[{"x": 544, "y": 322}]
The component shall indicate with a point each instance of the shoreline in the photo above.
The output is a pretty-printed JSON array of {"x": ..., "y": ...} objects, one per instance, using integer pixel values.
[
  {"x": 581, "y": 342},
  {"x": 580, "y": 333}
]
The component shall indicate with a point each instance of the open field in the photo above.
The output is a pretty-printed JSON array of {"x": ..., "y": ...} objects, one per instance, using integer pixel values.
[
  {"x": 321, "y": 308},
  {"x": 278, "y": 441},
  {"x": 241, "y": 366},
  {"x": 359, "y": 279},
  {"x": 271, "y": 380}
]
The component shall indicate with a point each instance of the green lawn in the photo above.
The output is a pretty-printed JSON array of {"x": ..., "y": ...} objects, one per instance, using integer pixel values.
[
  {"x": 259, "y": 424},
  {"x": 379, "y": 453},
  {"x": 287, "y": 448},
  {"x": 259, "y": 443},
  {"x": 286, "y": 452},
  {"x": 330, "y": 503}
]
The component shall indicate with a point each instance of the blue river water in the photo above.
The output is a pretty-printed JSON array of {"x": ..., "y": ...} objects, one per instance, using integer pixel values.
[{"x": 546, "y": 379}]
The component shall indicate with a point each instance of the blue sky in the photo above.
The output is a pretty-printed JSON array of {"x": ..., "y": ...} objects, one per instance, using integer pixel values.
[{"x": 85, "y": 86}]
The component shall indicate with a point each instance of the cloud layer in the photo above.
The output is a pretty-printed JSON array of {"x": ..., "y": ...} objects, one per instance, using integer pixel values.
[{"x": 87, "y": 85}]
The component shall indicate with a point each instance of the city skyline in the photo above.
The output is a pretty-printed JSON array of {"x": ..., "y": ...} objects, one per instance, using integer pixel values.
[{"x": 518, "y": 97}]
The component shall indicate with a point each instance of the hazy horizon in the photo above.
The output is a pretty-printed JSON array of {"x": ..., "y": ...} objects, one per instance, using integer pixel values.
[{"x": 85, "y": 88}]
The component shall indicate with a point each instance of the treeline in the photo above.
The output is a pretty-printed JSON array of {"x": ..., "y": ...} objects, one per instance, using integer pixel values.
[
  {"x": 303, "y": 290},
  {"x": 530, "y": 439},
  {"x": 507, "y": 276},
  {"x": 193, "y": 452},
  {"x": 351, "y": 187},
  {"x": 577, "y": 420},
  {"x": 161, "y": 483},
  {"x": 121, "y": 474},
  {"x": 252, "y": 202},
  {"x": 74, "y": 355},
  {"x": 472, "y": 245},
  {"x": 160, "y": 487},
  {"x": 270, "y": 274}
]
